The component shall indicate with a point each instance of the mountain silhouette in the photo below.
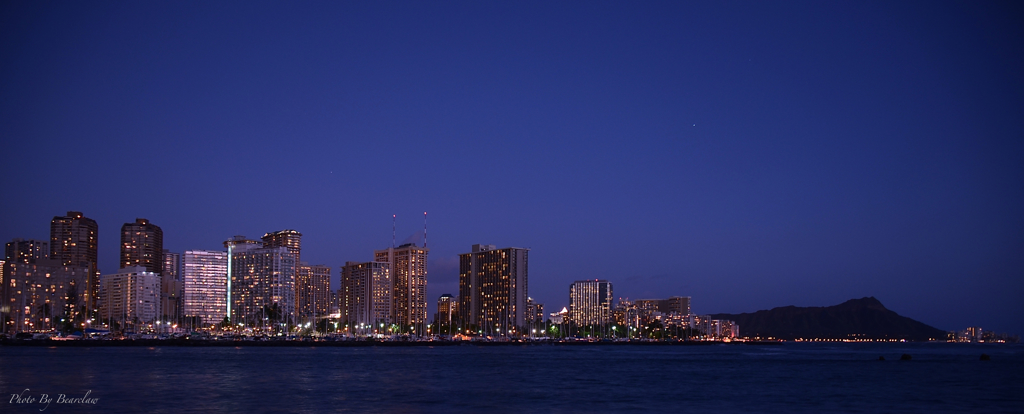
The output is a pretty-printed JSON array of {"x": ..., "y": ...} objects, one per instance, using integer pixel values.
[{"x": 864, "y": 318}]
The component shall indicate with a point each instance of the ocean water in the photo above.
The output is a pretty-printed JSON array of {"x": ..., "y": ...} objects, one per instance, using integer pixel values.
[{"x": 510, "y": 379}]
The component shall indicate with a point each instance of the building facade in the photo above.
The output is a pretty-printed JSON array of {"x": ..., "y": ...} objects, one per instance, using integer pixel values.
[
  {"x": 130, "y": 297},
  {"x": 409, "y": 276},
  {"x": 679, "y": 305},
  {"x": 590, "y": 302},
  {"x": 172, "y": 265},
  {"x": 262, "y": 285},
  {"x": 142, "y": 244},
  {"x": 364, "y": 298},
  {"x": 313, "y": 291},
  {"x": 171, "y": 286},
  {"x": 493, "y": 288},
  {"x": 26, "y": 251},
  {"x": 647, "y": 310},
  {"x": 534, "y": 312},
  {"x": 39, "y": 295},
  {"x": 204, "y": 279},
  {"x": 289, "y": 239},
  {"x": 445, "y": 310},
  {"x": 239, "y": 243},
  {"x": 74, "y": 241}
]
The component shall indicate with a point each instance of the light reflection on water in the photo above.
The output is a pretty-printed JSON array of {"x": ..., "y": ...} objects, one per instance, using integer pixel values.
[{"x": 745, "y": 378}]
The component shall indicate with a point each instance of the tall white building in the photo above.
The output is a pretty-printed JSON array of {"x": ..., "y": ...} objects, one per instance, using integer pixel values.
[
  {"x": 130, "y": 296},
  {"x": 590, "y": 302},
  {"x": 205, "y": 279}
]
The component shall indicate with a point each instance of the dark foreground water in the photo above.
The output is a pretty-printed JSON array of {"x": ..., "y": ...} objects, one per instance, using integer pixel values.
[{"x": 716, "y": 378}]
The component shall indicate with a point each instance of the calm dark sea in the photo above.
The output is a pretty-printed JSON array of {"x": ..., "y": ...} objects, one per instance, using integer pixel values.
[{"x": 723, "y": 378}]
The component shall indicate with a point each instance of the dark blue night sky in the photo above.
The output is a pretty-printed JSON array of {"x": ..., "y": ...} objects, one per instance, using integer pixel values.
[{"x": 747, "y": 154}]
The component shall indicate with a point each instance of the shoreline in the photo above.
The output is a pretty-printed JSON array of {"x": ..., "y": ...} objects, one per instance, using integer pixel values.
[{"x": 313, "y": 344}]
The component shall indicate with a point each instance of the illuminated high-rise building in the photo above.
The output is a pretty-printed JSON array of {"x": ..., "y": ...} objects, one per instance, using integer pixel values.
[
  {"x": 142, "y": 244},
  {"x": 679, "y": 305},
  {"x": 130, "y": 296},
  {"x": 26, "y": 251},
  {"x": 205, "y": 285},
  {"x": 36, "y": 295},
  {"x": 170, "y": 286},
  {"x": 241, "y": 243},
  {"x": 74, "y": 241},
  {"x": 261, "y": 278},
  {"x": 445, "y": 309},
  {"x": 493, "y": 288},
  {"x": 313, "y": 291},
  {"x": 534, "y": 312},
  {"x": 364, "y": 298},
  {"x": 172, "y": 265},
  {"x": 590, "y": 302},
  {"x": 236, "y": 243},
  {"x": 675, "y": 305},
  {"x": 289, "y": 239},
  {"x": 409, "y": 275}
]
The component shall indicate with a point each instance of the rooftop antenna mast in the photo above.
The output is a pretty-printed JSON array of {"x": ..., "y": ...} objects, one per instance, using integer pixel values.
[
  {"x": 393, "y": 231},
  {"x": 424, "y": 229}
]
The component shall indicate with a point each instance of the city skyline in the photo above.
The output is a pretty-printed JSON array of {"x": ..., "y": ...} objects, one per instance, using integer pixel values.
[{"x": 765, "y": 154}]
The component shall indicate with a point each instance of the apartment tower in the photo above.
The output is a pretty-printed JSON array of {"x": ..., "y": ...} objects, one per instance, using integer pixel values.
[
  {"x": 74, "y": 239},
  {"x": 409, "y": 276},
  {"x": 142, "y": 244},
  {"x": 590, "y": 302},
  {"x": 493, "y": 288}
]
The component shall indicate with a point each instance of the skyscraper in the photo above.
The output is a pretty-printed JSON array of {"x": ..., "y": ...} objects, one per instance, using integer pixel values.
[
  {"x": 205, "y": 285},
  {"x": 365, "y": 295},
  {"x": 74, "y": 239},
  {"x": 170, "y": 286},
  {"x": 590, "y": 302},
  {"x": 262, "y": 279},
  {"x": 26, "y": 251},
  {"x": 290, "y": 239},
  {"x": 236, "y": 243},
  {"x": 493, "y": 288},
  {"x": 313, "y": 291},
  {"x": 409, "y": 272},
  {"x": 142, "y": 244},
  {"x": 172, "y": 265}
]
